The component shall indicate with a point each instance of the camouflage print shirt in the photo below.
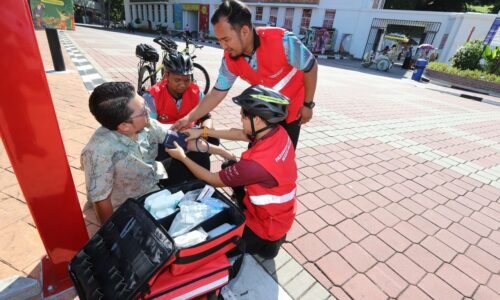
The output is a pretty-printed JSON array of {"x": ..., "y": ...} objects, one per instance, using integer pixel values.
[{"x": 117, "y": 165}]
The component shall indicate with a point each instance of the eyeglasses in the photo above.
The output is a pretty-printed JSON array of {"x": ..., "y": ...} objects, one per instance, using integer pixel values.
[{"x": 144, "y": 112}]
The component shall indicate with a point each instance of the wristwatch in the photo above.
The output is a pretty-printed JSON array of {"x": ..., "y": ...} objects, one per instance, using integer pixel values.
[{"x": 310, "y": 105}]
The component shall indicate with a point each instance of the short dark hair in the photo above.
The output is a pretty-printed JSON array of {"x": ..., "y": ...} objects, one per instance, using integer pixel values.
[
  {"x": 109, "y": 103},
  {"x": 236, "y": 13}
]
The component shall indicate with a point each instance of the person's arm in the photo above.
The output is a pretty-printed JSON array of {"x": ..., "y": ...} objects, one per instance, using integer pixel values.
[
  {"x": 232, "y": 134},
  {"x": 224, "y": 82},
  {"x": 212, "y": 149},
  {"x": 211, "y": 100},
  {"x": 310, "y": 79},
  {"x": 198, "y": 171},
  {"x": 99, "y": 171},
  {"x": 103, "y": 209}
]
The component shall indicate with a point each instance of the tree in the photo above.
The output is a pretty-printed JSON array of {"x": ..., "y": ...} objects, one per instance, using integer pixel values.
[{"x": 114, "y": 10}]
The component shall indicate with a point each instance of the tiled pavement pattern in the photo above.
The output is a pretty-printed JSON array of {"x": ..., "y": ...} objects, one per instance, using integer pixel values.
[
  {"x": 398, "y": 184},
  {"x": 90, "y": 76}
]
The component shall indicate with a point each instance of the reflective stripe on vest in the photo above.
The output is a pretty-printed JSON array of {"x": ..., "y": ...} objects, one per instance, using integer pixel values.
[
  {"x": 281, "y": 84},
  {"x": 272, "y": 199}
]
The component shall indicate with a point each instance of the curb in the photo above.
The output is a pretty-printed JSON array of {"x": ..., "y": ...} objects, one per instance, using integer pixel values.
[
  {"x": 90, "y": 76},
  {"x": 19, "y": 288},
  {"x": 459, "y": 88}
]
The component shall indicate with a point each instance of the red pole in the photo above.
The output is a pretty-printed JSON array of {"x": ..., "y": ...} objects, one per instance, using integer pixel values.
[{"x": 32, "y": 139}]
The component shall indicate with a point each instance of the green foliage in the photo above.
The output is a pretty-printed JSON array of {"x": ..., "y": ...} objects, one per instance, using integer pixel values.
[
  {"x": 468, "y": 56},
  {"x": 492, "y": 59},
  {"x": 476, "y": 74},
  {"x": 479, "y": 8}
]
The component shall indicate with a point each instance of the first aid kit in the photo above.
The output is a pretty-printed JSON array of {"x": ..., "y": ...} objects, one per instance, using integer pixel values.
[{"x": 134, "y": 254}]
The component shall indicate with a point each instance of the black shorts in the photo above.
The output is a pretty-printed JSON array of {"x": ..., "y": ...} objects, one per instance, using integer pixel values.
[{"x": 257, "y": 245}]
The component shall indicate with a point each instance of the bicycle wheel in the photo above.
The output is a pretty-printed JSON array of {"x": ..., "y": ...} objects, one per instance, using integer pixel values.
[
  {"x": 146, "y": 79},
  {"x": 200, "y": 77}
]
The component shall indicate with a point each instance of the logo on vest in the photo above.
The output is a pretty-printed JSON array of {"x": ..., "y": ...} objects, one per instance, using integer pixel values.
[
  {"x": 284, "y": 153},
  {"x": 277, "y": 74},
  {"x": 162, "y": 118}
]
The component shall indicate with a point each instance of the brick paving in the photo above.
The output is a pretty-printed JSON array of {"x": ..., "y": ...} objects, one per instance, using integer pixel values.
[{"x": 399, "y": 184}]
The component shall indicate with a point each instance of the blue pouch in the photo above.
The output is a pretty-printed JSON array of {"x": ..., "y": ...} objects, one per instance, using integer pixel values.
[{"x": 174, "y": 136}]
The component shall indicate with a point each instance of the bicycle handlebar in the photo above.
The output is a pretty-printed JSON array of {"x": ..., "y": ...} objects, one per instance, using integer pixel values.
[{"x": 165, "y": 43}]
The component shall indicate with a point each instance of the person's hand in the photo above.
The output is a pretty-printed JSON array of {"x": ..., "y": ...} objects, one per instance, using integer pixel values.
[
  {"x": 229, "y": 156},
  {"x": 305, "y": 115},
  {"x": 181, "y": 124},
  {"x": 192, "y": 133},
  {"x": 177, "y": 153}
]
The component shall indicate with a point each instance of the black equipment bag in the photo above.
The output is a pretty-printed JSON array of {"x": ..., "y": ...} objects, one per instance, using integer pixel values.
[
  {"x": 147, "y": 52},
  {"x": 132, "y": 255}
]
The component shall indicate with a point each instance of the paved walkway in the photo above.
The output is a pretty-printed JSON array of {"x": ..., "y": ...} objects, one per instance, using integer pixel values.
[{"x": 399, "y": 184}]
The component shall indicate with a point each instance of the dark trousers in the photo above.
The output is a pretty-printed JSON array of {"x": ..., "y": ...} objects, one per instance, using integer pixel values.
[
  {"x": 293, "y": 130},
  {"x": 176, "y": 170}
]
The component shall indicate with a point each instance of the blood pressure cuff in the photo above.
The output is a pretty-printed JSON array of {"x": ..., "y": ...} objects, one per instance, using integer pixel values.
[{"x": 174, "y": 136}]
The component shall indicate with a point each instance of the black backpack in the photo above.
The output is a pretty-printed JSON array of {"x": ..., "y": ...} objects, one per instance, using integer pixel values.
[{"x": 147, "y": 52}]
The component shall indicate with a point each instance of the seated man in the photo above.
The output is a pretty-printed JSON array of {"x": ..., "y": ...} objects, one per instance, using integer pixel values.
[
  {"x": 119, "y": 160},
  {"x": 267, "y": 169},
  {"x": 173, "y": 98}
]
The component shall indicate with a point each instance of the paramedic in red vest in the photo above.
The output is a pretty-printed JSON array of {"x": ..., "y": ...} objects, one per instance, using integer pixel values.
[
  {"x": 268, "y": 56},
  {"x": 267, "y": 169},
  {"x": 170, "y": 100}
]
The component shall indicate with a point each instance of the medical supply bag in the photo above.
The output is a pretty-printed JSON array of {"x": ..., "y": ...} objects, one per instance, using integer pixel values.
[{"x": 132, "y": 256}]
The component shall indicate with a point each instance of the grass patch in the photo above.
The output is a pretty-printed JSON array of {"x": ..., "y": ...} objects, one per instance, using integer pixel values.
[{"x": 475, "y": 74}]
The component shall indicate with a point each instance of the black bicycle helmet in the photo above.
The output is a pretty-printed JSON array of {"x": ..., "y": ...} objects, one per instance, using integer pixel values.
[
  {"x": 264, "y": 102},
  {"x": 178, "y": 63}
]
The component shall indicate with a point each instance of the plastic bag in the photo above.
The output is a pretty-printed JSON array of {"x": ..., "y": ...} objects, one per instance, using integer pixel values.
[
  {"x": 191, "y": 195},
  {"x": 155, "y": 197},
  {"x": 192, "y": 213},
  {"x": 191, "y": 238},
  {"x": 163, "y": 213},
  {"x": 163, "y": 204},
  {"x": 214, "y": 203}
]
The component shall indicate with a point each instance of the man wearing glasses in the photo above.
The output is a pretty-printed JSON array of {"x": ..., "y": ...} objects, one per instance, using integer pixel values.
[{"x": 119, "y": 160}]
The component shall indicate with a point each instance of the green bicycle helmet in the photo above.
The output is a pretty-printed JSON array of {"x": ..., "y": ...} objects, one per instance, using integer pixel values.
[
  {"x": 178, "y": 63},
  {"x": 264, "y": 102}
]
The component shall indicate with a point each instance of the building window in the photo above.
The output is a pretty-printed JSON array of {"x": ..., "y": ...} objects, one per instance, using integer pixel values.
[
  {"x": 139, "y": 11},
  {"x": 288, "y": 19},
  {"x": 305, "y": 21},
  {"x": 258, "y": 13},
  {"x": 329, "y": 17},
  {"x": 273, "y": 16},
  {"x": 153, "y": 11},
  {"x": 376, "y": 4},
  {"x": 443, "y": 41}
]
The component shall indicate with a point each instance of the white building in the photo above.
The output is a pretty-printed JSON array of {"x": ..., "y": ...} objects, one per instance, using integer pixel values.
[{"x": 359, "y": 24}]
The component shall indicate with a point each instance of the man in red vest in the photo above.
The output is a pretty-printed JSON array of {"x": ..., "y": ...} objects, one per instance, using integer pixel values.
[
  {"x": 268, "y": 56},
  {"x": 267, "y": 169},
  {"x": 170, "y": 100}
]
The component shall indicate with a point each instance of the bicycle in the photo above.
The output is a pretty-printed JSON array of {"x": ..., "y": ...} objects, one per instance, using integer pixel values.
[{"x": 149, "y": 73}]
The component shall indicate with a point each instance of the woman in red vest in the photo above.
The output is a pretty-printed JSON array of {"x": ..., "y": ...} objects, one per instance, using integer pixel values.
[
  {"x": 267, "y": 170},
  {"x": 170, "y": 100}
]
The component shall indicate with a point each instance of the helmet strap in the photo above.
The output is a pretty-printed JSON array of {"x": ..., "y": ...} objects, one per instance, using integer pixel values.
[{"x": 254, "y": 133}]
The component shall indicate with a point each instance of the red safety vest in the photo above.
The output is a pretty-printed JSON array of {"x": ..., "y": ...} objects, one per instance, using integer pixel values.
[
  {"x": 166, "y": 105},
  {"x": 273, "y": 69},
  {"x": 270, "y": 211}
]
